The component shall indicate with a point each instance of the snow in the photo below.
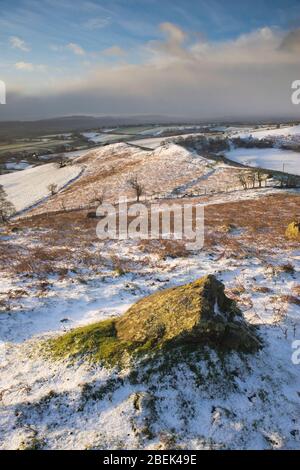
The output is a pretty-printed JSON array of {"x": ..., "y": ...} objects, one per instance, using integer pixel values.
[
  {"x": 53, "y": 401},
  {"x": 270, "y": 159},
  {"x": 151, "y": 142},
  {"x": 156, "y": 131},
  {"x": 17, "y": 166},
  {"x": 156, "y": 142},
  {"x": 169, "y": 171},
  {"x": 262, "y": 134},
  {"x": 72, "y": 154},
  {"x": 251, "y": 403},
  {"x": 233, "y": 129},
  {"x": 28, "y": 187},
  {"x": 103, "y": 138}
]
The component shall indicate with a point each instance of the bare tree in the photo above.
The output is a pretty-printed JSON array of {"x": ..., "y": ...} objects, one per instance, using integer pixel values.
[
  {"x": 251, "y": 178},
  {"x": 243, "y": 181},
  {"x": 137, "y": 187},
  {"x": 291, "y": 182},
  {"x": 52, "y": 188},
  {"x": 7, "y": 209},
  {"x": 260, "y": 177}
]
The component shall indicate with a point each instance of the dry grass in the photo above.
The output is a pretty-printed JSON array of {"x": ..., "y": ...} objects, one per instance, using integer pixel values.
[
  {"x": 164, "y": 248},
  {"x": 296, "y": 291},
  {"x": 261, "y": 222},
  {"x": 102, "y": 173},
  {"x": 56, "y": 243},
  {"x": 287, "y": 299},
  {"x": 49, "y": 244},
  {"x": 261, "y": 289}
]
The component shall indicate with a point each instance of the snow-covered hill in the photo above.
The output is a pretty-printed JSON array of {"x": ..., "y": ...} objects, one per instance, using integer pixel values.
[{"x": 28, "y": 187}]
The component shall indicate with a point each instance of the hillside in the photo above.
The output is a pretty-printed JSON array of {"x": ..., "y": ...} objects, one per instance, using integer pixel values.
[
  {"x": 88, "y": 298},
  {"x": 170, "y": 171},
  {"x": 26, "y": 188}
]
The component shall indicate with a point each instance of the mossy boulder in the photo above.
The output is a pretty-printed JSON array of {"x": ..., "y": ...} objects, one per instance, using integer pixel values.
[
  {"x": 293, "y": 231},
  {"x": 190, "y": 317},
  {"x": 198, "y": 312}
]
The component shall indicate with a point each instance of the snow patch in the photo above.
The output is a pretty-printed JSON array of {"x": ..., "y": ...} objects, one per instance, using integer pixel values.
[{"x": 28, "y": 187}]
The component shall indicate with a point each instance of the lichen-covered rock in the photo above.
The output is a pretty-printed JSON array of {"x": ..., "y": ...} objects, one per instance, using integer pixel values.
[
  {"x": 190, "y": 316},
  {"x": 198, "y": 312},
  {"x": 293, "y": 231}
]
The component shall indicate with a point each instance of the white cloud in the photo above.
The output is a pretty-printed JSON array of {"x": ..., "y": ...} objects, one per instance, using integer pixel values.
[
  {"x": 29, "y": 67},
  {"x": 75, "y": 48},
  {"x": 24, "y": 66},
  {"x": 248, "y": 76},
  {"x": 173, "y": 45},
  {"x": 18, "y": 43},
  {"x": 173, "y": 32},
  {"x": 114, "y": 51},
  {"x": 72, "y": 46}
]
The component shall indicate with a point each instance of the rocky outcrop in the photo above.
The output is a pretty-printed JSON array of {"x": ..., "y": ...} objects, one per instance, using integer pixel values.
[
  {"x": 293, "y": 231},
  {"x": 198, "y": 312},
  {"x": 190, "y": 316}
]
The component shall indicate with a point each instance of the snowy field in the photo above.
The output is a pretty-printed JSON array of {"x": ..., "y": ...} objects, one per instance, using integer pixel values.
[
  {"x": 155, "y": 142},
  {"x": 23, "y": 165},
  {"x": 156, "y": 131},
  {"x": 28, "y": 187},
  {"x": 150, "y": 142},
  {"x": 104, "y": 138},
  {"x": 73, "y": 154},
  {"x": 270, "y": 159},
  {"x": 262, "y": 134}
]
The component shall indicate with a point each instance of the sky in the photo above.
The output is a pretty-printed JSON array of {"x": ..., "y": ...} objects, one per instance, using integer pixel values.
[{"x": 190, "y": 58}]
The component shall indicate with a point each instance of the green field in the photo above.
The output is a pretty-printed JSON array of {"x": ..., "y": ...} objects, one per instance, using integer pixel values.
[
  {"x": 133, "y": 129},
  {"x": 32, "y": 146}
]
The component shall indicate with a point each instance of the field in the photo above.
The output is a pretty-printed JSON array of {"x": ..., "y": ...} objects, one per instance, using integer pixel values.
[
  {"x": 272, "y": 132},
  {"x": 31, "y": 146},
  {"x": 32, "y": 185},
  {"x": 19, "y": 154},
  {"x": 272, "y": 159}
]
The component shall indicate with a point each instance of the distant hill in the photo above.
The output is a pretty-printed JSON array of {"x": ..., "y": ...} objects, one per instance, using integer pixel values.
[
  {"x": 13, "y": 129},
  {"x": 19, "y": 129}
]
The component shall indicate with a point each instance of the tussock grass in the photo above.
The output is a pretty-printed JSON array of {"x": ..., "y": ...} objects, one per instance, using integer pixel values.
[{"x": 96, "y": 343}]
